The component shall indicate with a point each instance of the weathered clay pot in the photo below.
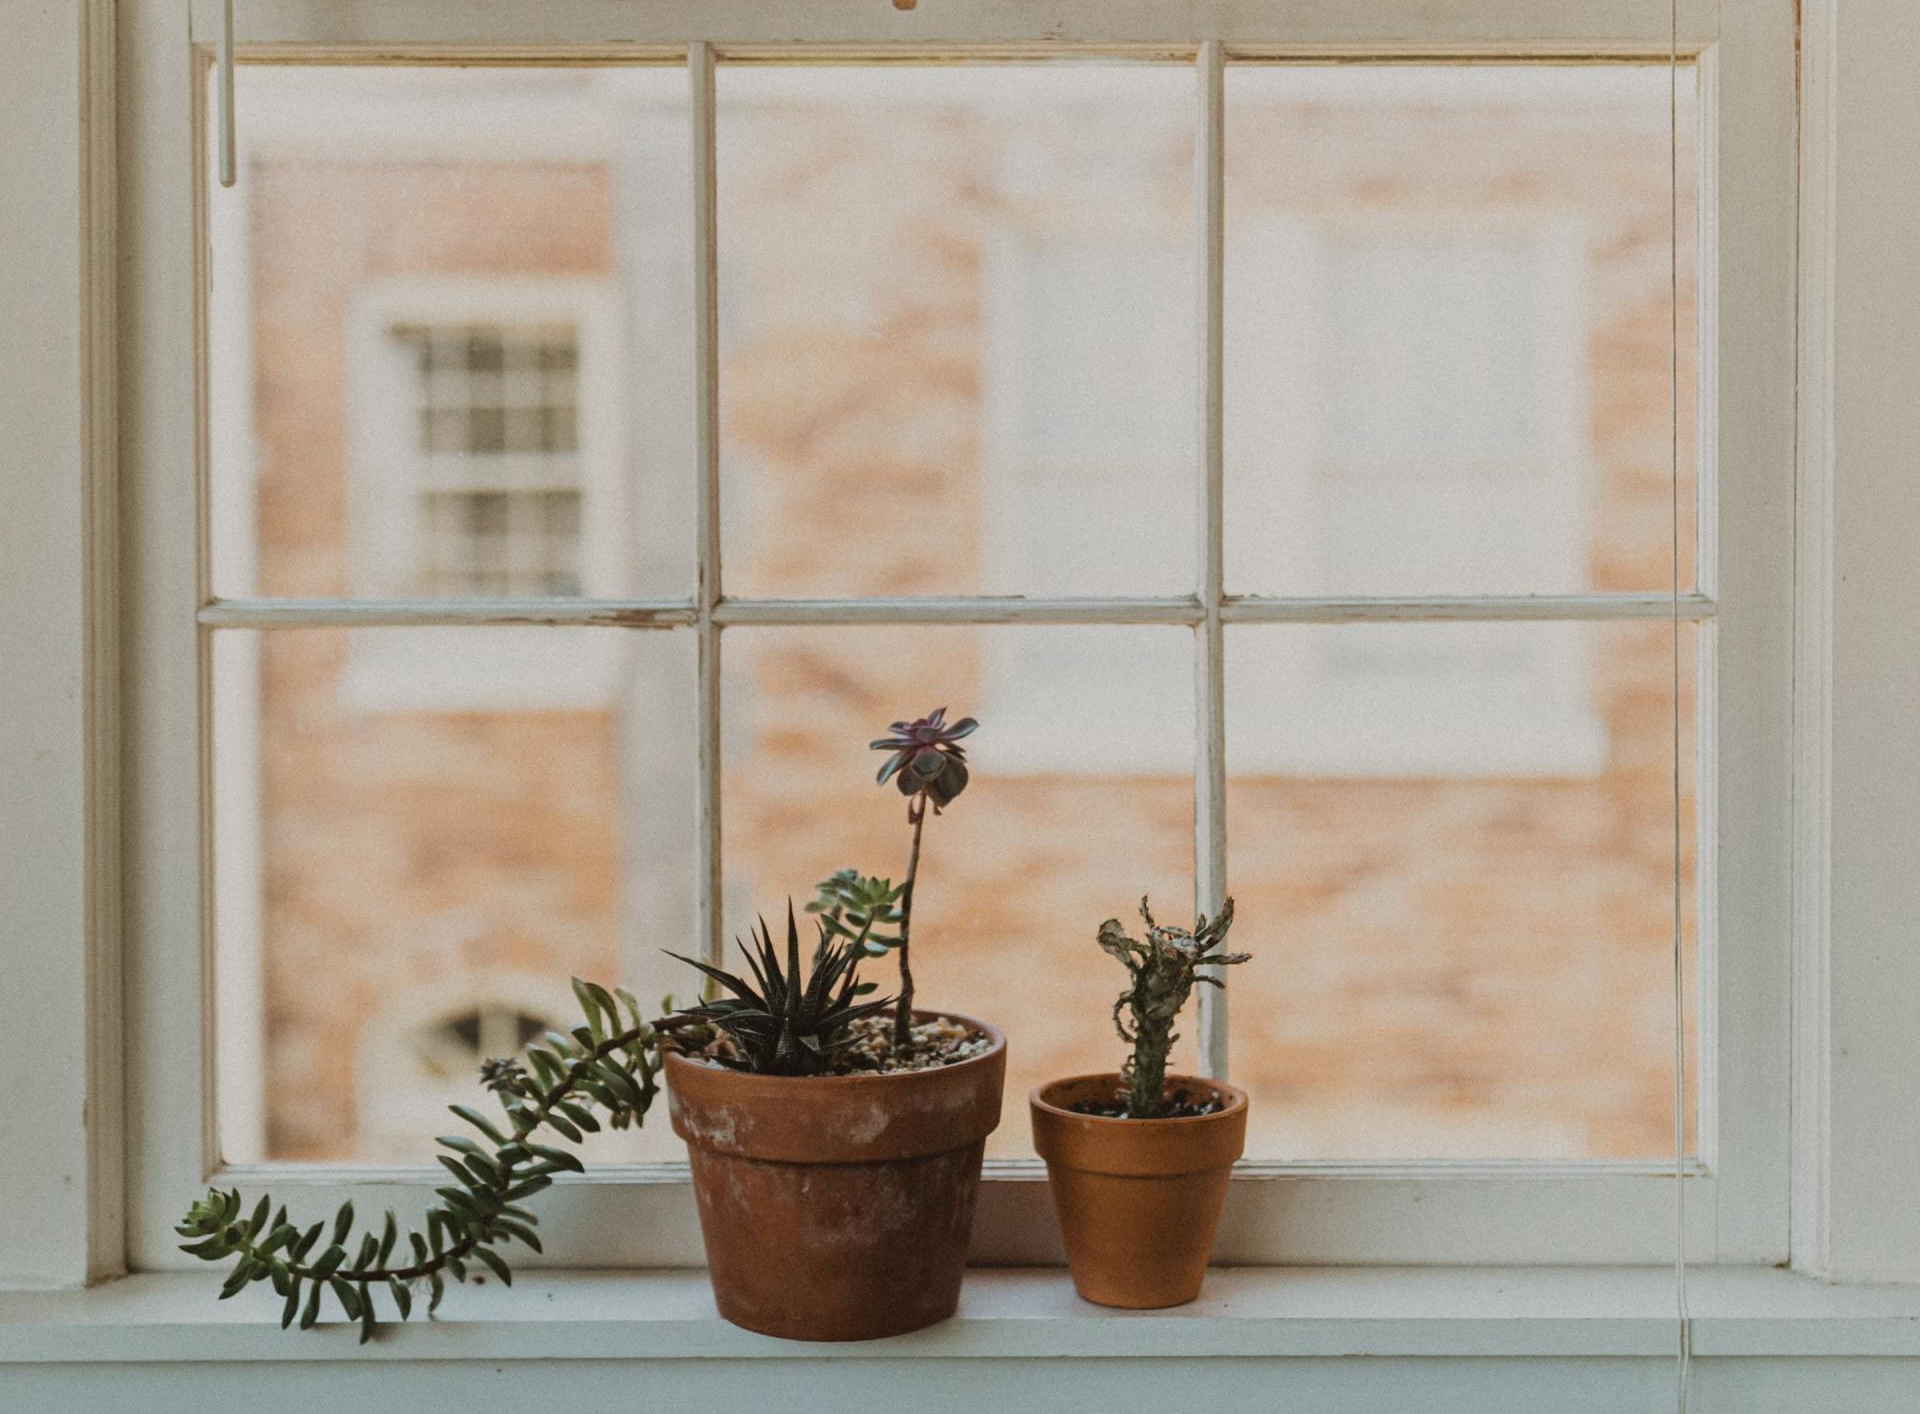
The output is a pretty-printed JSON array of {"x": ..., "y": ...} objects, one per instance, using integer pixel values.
[
  {"x": 1138, "y": 1199},
  {"x": 837, "y": 1208}
]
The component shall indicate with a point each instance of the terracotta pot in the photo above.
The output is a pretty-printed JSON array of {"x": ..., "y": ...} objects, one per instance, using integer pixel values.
[
  {"x": 837, "y": 1208},
  {"x": 1138, "y": 1199}
]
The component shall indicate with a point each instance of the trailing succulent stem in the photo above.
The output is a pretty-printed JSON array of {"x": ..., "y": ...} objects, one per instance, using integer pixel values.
[
  {"x": 608, "y": 1063},
  {"x": 786, "y": 1021},
  {"x": 1163, "y": 970},
  {"x": 929, "y": 767}
]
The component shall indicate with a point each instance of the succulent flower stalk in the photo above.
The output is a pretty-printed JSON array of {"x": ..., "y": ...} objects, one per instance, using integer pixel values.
[{"x": 928, "y": 766}]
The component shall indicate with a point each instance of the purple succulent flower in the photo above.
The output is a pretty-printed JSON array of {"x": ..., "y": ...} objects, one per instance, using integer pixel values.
[{"x": 927, "y": 757}]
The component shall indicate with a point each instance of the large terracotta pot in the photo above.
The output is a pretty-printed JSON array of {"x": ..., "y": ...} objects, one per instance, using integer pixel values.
[
  {"x": 837, "y": 1208},
  {"x": 1138, "y": 1199}
]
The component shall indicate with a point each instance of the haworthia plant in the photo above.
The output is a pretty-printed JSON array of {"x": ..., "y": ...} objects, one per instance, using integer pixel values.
[
  {"x": 789, "y": 1020},
  {"x": 607, "y": 1066}
]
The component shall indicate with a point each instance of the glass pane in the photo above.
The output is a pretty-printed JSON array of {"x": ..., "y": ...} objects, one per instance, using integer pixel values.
[
  {"x": 1081, "y": 800},
  {"x": 420, "y": 834},
  {"x": 451, "y": 329},
  {"x": 957, "y": 329},
  {"x": 1447, "y": 311},
  {"x": 1451, "y": 847}
]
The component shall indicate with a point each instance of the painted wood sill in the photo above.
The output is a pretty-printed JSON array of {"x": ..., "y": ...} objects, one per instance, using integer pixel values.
[{"x": 1017, "y": 1313}]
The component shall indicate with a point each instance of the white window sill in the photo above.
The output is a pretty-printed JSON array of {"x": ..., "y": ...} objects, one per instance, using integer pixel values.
[{"x": 1012, "y": 1314}]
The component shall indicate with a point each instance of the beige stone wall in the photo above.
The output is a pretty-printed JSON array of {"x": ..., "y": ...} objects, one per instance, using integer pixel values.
[{"x": 1444, "y": 967}]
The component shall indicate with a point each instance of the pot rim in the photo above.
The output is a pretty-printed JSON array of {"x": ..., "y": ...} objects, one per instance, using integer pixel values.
[
  {"x": 1236, "y": 1100},
  {"x": 865, "y": 1077}
]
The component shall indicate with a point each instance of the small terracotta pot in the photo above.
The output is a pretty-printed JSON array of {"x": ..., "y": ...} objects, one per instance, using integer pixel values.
[
  {"x": 1138, "y": 1199},
  {"x": 838, "y": 1207}
]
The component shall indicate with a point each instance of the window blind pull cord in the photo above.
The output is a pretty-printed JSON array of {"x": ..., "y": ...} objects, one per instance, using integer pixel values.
[
  {"x": 1683, "y": 1363},
  {"x": 224, "y": 63}
]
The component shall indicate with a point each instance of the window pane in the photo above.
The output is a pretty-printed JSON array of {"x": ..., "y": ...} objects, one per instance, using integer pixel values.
[
  {"x": 957, "y": 329},
  {"x": 443, "y": 302},
  {"x": 1053, "y": 834},
  {"x": 1451, "y": 849},
  {"x": 1447, "y": 312},
  {"x": 420, "y": 834}
]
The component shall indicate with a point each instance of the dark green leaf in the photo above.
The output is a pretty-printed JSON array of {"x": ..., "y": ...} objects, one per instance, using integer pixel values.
[
  {"x": 307, "y": 1240},
  {"x": 402, "y": 1296},
  {"x": 242, "y": 1273},
  {"x": 344, "y": 1294},
  {"x": 479, "y": 1122},
  {"x": 518, "y": 1230},
  {"x": 558, "y": 1156},
  {"x": 459, "y": 1171},
  {"x": 492, "y": 1259},
  {"x": 343, "y": 1223},
  {"x": 590, "y": 1005}
]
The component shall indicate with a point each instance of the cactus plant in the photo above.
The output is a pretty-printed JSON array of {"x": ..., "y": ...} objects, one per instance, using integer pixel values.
[{"x": 1164, "y": 970}]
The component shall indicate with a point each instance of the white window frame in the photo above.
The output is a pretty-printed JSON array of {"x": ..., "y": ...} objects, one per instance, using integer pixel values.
[{"x": 1278, "y": 1212}]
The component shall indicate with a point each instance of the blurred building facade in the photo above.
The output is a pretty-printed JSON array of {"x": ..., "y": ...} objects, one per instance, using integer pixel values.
[{"x": 957, "y": 358}]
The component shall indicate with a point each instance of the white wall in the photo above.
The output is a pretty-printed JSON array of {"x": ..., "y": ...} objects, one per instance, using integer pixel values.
[
  {"x": 59, "y": 1182},
  {"x": 1873, "y": 1046}
]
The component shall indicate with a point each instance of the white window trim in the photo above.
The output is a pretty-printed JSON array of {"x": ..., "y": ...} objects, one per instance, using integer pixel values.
[
  {"x": 1332, "y": 1212},
  {"x": 476, "y": 669}
]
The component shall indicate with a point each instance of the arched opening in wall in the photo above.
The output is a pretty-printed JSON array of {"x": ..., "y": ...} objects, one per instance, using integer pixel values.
[{"x": 422, "y": 1053}]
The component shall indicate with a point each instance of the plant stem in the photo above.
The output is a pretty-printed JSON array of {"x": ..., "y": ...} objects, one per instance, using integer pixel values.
[
  {"x": 1147, "y": 1076},
  {"x": 903, "y": 1008}
]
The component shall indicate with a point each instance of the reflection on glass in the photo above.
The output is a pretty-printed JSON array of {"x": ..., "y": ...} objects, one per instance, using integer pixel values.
[
  {"x": 1447, "y": 312},
  {"x": 451, "y": 325},
  {"x": 420, "y": 834},
  {"x": 1081, "y": 800},
  {"x": 1451, "y": 845},
  {"x": 957, "y": 328}
]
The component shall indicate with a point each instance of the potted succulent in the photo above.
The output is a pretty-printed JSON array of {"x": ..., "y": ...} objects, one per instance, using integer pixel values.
[
  {"x": 835, "y": 1149},
  {"x": 1138, "y": 1160}
]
